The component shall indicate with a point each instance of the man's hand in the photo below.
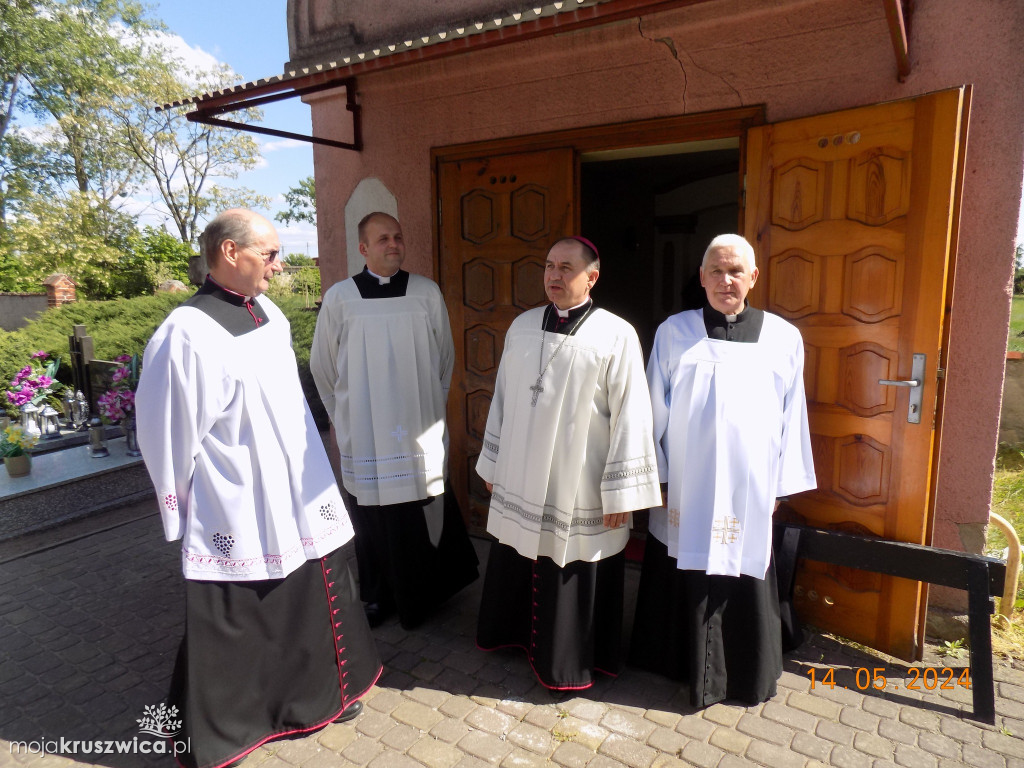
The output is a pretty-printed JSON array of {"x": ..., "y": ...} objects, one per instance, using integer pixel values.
[
  {"x": 490, "y": 486},
  {"x": 614, "y": 521}
]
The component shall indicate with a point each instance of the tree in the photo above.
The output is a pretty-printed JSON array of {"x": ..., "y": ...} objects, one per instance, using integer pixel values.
[
  {"x": 89, "y": 57},
  {"x": 301, "y": 203},
  {"x": 184, "y": 158},
  {"x": 82, "y": 237},
  {"x": 300, "y": 259}
]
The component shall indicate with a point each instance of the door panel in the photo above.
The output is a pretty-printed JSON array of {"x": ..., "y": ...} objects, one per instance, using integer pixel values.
[
  {"x": 851, "y": 216},
  {"x": 498, "y": 217}
]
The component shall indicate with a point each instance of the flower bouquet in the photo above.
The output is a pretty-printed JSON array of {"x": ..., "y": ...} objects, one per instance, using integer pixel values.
[
  {"x": 34, "y": 384},
  {"x": 15, "y": 444},
  {"x": 118, "y": 403}
]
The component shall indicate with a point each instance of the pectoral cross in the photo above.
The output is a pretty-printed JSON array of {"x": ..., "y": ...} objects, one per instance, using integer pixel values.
[
  {"x": 399, "y": 433},
  {"x": 537, "y": 389}
]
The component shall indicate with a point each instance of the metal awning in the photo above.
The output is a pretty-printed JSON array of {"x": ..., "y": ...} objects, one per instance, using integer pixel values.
[{"x": 545, "y": 19}]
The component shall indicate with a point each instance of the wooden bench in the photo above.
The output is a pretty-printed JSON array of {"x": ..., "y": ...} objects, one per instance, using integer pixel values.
[{"x": 981, "y": 576}]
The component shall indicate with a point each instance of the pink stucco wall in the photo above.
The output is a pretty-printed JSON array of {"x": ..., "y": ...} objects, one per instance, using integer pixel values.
[{"x": 799, "y": 58}]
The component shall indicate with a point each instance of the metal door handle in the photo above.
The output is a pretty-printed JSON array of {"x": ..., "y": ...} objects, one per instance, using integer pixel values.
[{"x": 916, "y": 394}]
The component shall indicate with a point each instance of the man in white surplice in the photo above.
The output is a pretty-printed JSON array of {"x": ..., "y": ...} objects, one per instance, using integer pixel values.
[
  {"x": 567, "y": 455},
  {"x": 382, "y": 361},
  {"x": 730, "y": 424}
]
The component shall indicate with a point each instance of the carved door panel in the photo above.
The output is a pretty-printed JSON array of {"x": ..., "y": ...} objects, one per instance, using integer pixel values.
[
  {"x": 498, "y": 217},
  {"x": 851, "y": 216}
]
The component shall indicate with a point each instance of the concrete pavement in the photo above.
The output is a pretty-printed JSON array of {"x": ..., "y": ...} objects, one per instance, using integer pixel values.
[{"x": 89, "y": 628}]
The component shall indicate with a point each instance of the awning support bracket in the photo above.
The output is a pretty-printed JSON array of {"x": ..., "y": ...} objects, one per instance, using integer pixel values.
[
  {"x": 210, "y": 115},
  {"x": 897, "y": 14}
]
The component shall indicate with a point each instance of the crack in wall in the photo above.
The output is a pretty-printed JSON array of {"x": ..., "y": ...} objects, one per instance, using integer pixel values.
[{"x": 669, "y": 43}]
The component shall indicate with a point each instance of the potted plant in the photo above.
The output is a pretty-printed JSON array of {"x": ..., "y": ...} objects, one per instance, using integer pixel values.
[{"x": 15, "y": 444}]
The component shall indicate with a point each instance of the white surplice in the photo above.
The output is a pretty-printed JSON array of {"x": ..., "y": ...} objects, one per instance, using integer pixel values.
[
  {"x": 730, "y": 426},
  {"x": 238, "y": 465},
  {"x": 584, "y": 451},
  {"x": 383, "y": 367}
]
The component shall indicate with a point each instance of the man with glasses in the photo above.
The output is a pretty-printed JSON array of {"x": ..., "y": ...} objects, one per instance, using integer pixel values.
[
  {"x": 244, "y": 482},
  {"x": 382, "y": 360}
]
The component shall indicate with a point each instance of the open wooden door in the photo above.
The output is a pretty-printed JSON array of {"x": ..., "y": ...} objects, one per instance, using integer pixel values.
[
  {"x": 498, "y": 217},
  {"x": 851, "y": 216}
]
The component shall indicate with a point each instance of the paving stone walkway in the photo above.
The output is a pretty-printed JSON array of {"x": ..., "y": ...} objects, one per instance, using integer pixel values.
[{"x": 89, "y": 629}]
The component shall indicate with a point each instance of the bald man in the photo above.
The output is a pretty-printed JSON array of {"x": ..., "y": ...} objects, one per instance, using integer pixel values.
[{"x": 244, "y": 482}]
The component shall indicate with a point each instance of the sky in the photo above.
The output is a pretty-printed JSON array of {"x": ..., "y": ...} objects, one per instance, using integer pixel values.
[{"x": 250, "y": 36}]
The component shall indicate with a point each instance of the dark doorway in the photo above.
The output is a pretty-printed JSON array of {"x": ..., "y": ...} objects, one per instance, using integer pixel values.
[{"x": 652, "y": 211}]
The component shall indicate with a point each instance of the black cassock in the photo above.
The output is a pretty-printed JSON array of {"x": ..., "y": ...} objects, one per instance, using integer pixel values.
[
  {"x": 399, "y": 569},
  {"x": 721, "y": 635}
]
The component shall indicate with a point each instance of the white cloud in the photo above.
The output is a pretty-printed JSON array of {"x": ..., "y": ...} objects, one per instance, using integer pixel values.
[
  {"x": 274, "y": 146},
  {"x": 298, "y": 238},
  {"x": 191, "y": 57}
]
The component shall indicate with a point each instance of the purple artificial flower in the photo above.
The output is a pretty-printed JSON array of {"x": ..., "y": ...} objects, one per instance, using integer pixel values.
[
  {"x": 122, "y": 358},
  {"x": 40, "y": 354},
  {"x": 24, "y": 372},
  {"x": 120, "y": 374},
  {"x": 43, "y": 381}
]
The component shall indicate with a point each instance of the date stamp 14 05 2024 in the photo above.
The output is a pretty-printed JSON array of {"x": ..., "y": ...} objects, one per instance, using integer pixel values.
[{"x": 873, "y": 678}]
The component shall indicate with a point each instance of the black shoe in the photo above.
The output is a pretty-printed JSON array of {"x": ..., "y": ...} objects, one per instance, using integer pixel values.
[{"x": 351, "y": 712}]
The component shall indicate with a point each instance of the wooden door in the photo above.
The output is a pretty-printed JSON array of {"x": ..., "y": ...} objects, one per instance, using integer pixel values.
[
  {"x": 498, "y": 217},
  {"x": 851, "y": 216}
]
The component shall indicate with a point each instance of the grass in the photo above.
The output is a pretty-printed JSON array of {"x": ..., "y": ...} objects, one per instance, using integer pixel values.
[{"x": 1016, "y": 341}]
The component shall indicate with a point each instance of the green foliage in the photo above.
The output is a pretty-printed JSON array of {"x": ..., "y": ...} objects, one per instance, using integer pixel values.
[
  {"x": 300, "y": 260},
  {"x": 952, "y": 649},
  {"x": 303, "y": 324},
  {"x": 162, "y": 257},
  {"x": 83, "y": 238},
  {"x": 72, "y": 62},
  {"x": 116, "y": 327},
  {"x": 125, "y": 327},
  {"x": 1015, "y": 342},
  {"x": 1007, "y": 498},
  {"x": 306, "y": 283},
  {"x": 182, "y": 157},
  {"x": 78, "y": 80},
  {"x": 301, "y": 203}
]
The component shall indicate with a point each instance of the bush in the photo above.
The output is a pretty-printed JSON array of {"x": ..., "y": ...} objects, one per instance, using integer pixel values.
[
  {"x": 124, "y": 326},
  {"x": 117, "y": 327}
]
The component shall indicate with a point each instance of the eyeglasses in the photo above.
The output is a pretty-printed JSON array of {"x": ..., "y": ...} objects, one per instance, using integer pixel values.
[{"x": 269, "y": 257}]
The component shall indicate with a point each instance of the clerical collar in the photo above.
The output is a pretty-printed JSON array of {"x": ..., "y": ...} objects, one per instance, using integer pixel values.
[
  {"x": 744, "y": 327},
  {"x": 226, "y": 294},
  {"x": 564, "y": 313},
  {"x": 565, "y": 321},
  {"x": 236, "y": 313},
  {"x": 381, "y": 280},
  {"x": 373, "y": 286}
]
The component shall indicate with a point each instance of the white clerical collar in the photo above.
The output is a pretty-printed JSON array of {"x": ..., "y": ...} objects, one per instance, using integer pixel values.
[
  {"x": 380, "y": 279},
  {"x": 731, "y": 318},
  {"x": 564, "y": 313}
]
